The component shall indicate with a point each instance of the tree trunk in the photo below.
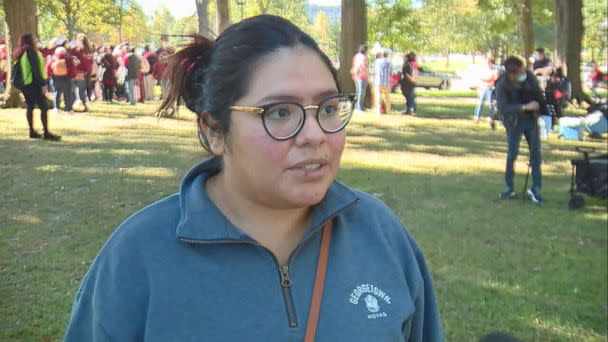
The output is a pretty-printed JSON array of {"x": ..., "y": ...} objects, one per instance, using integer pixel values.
[
  {"x": 568, "y": 38},
  {"x": 524, "y": 20},
  {"x": 203, "y": 18},
  {"x": 353, "y": 33},
  {"x": 69, "y": 15},
  {"x": 120, "y": 16},
  {"x": 20, "y": 18},
  {"x": 223, "y": 15}
]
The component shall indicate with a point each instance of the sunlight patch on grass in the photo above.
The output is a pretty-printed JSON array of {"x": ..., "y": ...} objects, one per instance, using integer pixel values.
[
  {"x": 157, "y": 172},
  {"x": 565, "y": 330},
  {"x": 27, "y": 218},
  {"x": 130, "y": 152}
]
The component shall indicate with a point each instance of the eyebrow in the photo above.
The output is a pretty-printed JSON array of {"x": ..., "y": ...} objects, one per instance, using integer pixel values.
[{"x": 290, "y": 98}]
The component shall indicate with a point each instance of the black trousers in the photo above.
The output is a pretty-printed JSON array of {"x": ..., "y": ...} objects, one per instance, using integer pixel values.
[{"x": 34, "y": 97}]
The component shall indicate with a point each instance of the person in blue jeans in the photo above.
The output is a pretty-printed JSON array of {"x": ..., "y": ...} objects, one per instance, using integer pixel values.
[
  {"x": 488, "y": 78},
  {"x": 520, "y": 100},
  {"x": 360, "y": 75},
  {"x": 133, "y": 65}
]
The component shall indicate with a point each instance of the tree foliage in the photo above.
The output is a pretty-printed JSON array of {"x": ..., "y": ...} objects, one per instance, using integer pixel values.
[
  {"x": 596, "y": 28},
  {"x": 394, "y": 24}
]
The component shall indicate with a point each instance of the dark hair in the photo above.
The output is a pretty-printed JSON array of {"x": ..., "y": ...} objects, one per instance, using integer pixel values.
[
  {"x": 211, "y": 76},
  {"x": 146, "y": 47},
  {"x": 26, "y": 41},
  {"x": 362, "y": 48},
  {"x": 559, "y": 72},
  {"x": 512, "y": 63},
  {"x": 540, "y": 50}
]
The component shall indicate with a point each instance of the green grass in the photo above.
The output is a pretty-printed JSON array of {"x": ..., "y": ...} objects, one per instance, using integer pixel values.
[
  {"x": 446, "y": 93},
  {"x": 538, "y": 272}
]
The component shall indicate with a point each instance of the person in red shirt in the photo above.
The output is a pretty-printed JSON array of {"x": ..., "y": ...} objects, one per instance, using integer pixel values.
[
  {"x": 163, "y": 55},
  {"x": 84, "y": 53},
  {"x": 149, "y": 80}
]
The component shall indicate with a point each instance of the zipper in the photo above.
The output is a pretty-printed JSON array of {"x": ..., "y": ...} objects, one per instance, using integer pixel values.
[
  {"x": 286, "y": 285},
  {"x": 283, "y": 269}
]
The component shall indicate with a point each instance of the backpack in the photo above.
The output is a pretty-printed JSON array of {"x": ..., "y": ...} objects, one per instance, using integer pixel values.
[
  {"x": 60, "y": 67},
  {"x": 16, "y": 76}
]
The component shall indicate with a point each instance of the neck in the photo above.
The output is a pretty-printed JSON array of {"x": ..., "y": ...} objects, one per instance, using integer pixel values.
[{"x": 277, "y": 229}]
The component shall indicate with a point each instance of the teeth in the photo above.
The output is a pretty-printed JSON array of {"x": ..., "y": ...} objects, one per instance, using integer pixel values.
[{"x": 311, "y": 166}]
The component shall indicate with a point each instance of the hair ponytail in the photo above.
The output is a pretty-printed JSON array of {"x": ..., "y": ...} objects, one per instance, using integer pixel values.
[{"x": 185, "y": 71}]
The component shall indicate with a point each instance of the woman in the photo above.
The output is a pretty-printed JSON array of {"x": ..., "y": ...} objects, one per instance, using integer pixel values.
[
  {"x": 236, "y": 254},
  {"x": 33, "y": 80},
  {"x": 83, "y": 51},
  {"x": 108, "y": 78}
]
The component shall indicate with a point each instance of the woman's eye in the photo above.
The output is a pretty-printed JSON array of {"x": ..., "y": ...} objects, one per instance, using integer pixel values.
[
  {"x": 279, "y": 113},
  {"x": 329, "y": 109}
]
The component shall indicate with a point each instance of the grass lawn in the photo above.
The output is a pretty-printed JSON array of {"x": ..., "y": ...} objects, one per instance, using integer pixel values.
[{"x": 538, "y": 272}]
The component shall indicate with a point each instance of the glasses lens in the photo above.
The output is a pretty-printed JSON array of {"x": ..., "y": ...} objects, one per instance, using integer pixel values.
[
  {"x": 283, "y": 120},
  {"x": 335, "y": 113}
]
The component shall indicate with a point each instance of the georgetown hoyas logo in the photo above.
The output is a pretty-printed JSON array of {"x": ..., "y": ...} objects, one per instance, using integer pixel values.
[{"x": 370, "y": 294}]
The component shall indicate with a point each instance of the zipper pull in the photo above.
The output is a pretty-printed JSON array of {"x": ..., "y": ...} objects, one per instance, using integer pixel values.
[{"x": 285, "y": 280}]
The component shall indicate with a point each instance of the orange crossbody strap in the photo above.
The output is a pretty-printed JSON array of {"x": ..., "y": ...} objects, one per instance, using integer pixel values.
[{"x": 317, "y": 294}]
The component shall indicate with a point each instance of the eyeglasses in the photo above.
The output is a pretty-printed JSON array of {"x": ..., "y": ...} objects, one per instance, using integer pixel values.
[{"x": 284, "y": 120}]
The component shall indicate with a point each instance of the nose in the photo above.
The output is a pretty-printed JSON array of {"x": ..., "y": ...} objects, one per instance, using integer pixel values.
[{"x": 311, "y": 132}]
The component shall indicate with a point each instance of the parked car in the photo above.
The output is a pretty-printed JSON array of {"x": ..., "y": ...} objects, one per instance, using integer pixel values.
[{"x": 427, "y": 79}]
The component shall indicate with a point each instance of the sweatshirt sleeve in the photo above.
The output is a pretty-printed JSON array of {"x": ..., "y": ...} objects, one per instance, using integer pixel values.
[{"x": 425, "y": 326}]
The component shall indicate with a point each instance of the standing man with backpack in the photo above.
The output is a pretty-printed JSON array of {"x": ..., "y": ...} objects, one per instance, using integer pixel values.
[
  {"x": 30, "y": 77},
  {"x": 520, "y": 101}
]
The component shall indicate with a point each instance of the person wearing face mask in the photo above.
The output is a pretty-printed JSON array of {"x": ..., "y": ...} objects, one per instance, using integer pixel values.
[
  {"x": 261, "y": 243},
  {"x": 520, "y": 101}
]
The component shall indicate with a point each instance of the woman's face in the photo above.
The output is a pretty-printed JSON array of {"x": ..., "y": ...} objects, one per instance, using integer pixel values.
[{"x": 297, "y": 172}]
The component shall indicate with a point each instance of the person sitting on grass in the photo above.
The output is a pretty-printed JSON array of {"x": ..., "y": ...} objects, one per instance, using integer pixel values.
[{"x": 261, "y": 243}]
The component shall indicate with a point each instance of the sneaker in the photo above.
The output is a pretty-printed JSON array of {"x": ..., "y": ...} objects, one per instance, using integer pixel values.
[
  {"x": 35, "y": 135},
  {"x": 507, "y": 193},
  {"x": 51, "y": 137},
  {"x": 535, "y": 196}
]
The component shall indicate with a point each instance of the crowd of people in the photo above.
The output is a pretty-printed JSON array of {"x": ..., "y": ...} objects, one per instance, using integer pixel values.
[
  {"x": 71, "y": 72},
  {"x": 384, "y": 80}
]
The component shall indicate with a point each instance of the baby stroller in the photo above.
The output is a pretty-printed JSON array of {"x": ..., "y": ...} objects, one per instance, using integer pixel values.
[{"x": 589, "y": 176}]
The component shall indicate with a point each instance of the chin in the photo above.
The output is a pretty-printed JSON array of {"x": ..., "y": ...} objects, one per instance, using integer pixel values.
[{"x": 309, "y": 195}]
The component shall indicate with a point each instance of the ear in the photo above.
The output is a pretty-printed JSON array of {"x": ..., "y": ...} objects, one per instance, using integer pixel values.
[{"x": 212, "y": 130}]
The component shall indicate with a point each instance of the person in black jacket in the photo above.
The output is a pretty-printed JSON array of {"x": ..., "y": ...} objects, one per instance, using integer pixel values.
[
  {"x": 32, "y": 80},
  {"x": 520, "y": 101}
]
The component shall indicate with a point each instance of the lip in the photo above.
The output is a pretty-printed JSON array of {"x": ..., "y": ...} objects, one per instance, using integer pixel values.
[
  {"x": 310, "y": 175},
  {"x": 301, "y": 164}
]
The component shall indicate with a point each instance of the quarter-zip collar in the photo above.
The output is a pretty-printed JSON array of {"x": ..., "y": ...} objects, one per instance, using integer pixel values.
[{"x": 200, "y": 219}]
